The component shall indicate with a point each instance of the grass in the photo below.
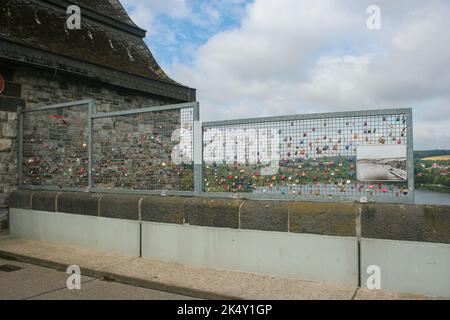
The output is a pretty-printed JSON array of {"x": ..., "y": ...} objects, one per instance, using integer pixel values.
[
  {"x": 437, "y": 158},
  {"x": 432, "y": 187}
]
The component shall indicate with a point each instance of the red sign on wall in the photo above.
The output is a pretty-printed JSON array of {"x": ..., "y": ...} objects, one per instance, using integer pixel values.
[{"x": 2, "y": 84}]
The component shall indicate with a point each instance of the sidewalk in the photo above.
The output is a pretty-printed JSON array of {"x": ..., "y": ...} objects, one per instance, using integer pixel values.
[{"x": 178, "y": 279}]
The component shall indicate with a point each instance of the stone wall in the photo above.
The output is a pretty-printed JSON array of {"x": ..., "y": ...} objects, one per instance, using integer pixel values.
[
  {"x": 45, "y": 88},
  {"x": 8, "y": 162},
  {"x": 41, "y": 87}
]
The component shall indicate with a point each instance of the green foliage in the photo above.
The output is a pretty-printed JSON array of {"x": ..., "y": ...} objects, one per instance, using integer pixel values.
[
  {"x": 428, "y": 176},
  {"x": 187, "y": 179}
]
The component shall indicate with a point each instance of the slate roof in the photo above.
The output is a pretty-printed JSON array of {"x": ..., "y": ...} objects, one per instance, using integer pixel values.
[
  {"x": 109, "y": 46},
  {"x": 110, "y": 8}
]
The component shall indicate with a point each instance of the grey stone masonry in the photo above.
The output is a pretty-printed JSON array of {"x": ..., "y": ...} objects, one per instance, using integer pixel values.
[
  {"x": 8, "y": 163},
  {"x": 378, "y": 221},
  {"x": 41, "y": 88}
]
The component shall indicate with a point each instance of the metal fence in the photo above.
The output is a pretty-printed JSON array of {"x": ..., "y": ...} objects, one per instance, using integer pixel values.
[
  {"x": 72, "y": 147},
  {"x": 54, "y": 146},
  {"x": 351, "y": 156},
  {"x": 144, "y": 149}
]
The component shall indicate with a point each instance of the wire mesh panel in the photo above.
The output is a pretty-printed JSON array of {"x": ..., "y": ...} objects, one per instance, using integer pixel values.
[
  {"x": 54, "y": 146},
  {"x": 348, "y": 156},
  {"x": 151, "y": 150}
]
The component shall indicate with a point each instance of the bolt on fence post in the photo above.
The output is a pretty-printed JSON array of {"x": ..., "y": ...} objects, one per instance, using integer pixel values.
[{"x": 198, "y": 150}]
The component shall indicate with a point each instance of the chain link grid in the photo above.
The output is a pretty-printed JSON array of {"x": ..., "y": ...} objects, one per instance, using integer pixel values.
[
  {"x": 55, "y": 147},
  {"x": 309, "y": 158},
  {"x": 144, "y": 151}
]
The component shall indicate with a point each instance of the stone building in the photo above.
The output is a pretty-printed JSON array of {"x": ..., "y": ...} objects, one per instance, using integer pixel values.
[{"x": 43, "y": 62}]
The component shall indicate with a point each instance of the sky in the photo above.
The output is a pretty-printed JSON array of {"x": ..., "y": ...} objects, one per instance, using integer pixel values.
[
  {"x": 381, "y": 152},
  {"x": 280, "y": 57}
]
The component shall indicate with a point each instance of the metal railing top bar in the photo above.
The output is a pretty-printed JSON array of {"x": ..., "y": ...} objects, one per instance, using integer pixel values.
[
  {"x": 53, "y": 188},
  {"x": 56, "y": 106},
  {"x": 215, "y": 195},
  {"x": 407, "y": 111},
  {"x": 144, "y": 110},
  {"x": 110, "y": 114},
  {"x": 291, "y": 198},
  {"x": 169, "y": 193}
]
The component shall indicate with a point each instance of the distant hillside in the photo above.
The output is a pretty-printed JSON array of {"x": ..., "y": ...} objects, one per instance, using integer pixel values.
[
  {"x": 430, "y": 153},
  {"x": 437, "y": 158}
]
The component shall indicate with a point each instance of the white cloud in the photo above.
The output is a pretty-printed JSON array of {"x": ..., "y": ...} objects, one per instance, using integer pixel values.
[
  {"x": 143, "y": 12},
  {"x": 296, "y": 56}
]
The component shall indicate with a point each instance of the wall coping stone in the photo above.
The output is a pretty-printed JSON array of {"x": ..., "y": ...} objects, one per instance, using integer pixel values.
[
  {"x": 423, "y": 223},
  {"x": 79, "y": 203},
  {"x": 212, "y": 212},
  {"x": 119, "y": 206},
  {"x": 44, "y": 201}
]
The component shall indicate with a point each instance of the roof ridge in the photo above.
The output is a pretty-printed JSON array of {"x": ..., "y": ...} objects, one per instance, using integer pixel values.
[
  {"x": 127, "y": 19},
  {"x": 104, "y": 10}
]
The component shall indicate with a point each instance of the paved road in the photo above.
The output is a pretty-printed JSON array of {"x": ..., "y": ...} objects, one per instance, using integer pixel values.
[{"x": 37, "y": 283}]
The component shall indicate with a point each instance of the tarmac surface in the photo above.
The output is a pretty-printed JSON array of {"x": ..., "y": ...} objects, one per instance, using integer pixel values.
[{"x": 23, "y": 281}]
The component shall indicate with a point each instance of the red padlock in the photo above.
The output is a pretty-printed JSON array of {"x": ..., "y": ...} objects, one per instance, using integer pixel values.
[{"x": 2, "y": 84}]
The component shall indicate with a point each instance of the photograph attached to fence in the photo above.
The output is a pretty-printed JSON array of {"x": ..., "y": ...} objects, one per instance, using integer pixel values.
[{"x": 381, "y": 163}]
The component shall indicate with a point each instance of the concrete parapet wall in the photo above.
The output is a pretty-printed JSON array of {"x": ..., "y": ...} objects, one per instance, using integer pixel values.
[
  {"x": 118, "y": 236},
  {"x": 302, "y": 256},
  {"x": 377, "y": 221},
  {"x": 406, "y": 266}
]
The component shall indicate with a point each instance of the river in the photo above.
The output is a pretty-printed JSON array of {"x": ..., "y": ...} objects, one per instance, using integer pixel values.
[{"x": 431, "y": 197}]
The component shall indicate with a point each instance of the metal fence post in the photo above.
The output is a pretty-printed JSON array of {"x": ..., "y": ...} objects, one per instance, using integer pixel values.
[
  {"x": 91, "y": 142},
  {"x": 20, "y": 145},
  {"x": 198, "y": 150},
  {"x": 410, "y": 157}
]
